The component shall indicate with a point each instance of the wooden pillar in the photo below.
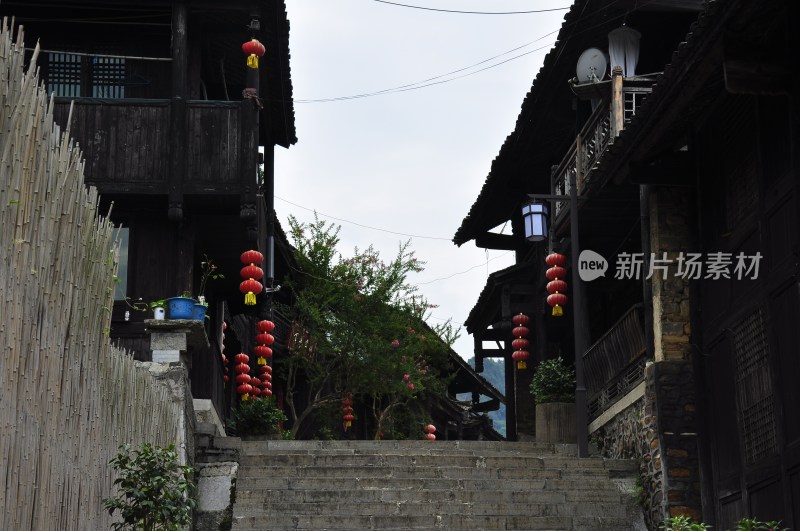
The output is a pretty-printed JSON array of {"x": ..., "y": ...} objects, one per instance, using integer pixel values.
[
  {"x": 180, "y": 50},
  {"x": 617, "y": 102},
  {"x": 177, "y": 126}
]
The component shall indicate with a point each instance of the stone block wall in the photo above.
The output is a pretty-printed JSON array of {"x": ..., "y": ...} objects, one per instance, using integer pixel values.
[
  {"x": 658, "y": 430},
  {"x": 671, "y": 233}
]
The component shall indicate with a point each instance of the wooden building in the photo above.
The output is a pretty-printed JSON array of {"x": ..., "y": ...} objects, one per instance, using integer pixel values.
[
  {"x": 693, "y": 372},
  {"x": 156, "y": 93},
  {"x": 153, "y": 92}
]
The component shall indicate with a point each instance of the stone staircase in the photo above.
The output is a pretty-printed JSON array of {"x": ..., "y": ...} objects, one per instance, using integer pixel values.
[{"x": 458, "y": 485}]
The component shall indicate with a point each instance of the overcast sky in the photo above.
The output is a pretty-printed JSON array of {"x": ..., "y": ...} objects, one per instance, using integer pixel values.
[{"x": 409, "y": 162}]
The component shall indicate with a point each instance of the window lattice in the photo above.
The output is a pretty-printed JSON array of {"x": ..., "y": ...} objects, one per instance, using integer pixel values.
[
  {"x": 64, "y": 74},
  {"x": 754, "y": 388},
  {"x": 108, "y": 77}
]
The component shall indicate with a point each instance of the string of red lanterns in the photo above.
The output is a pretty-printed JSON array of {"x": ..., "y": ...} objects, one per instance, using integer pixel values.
[
  {"x": 242, "y": 369},
  {"x": 429, "y": 432},
  {"x": 264, "y": 340},
  {"x": 520, "y": 332},
  {"x": 347, "y": 411},
  {"x": 251, "y": 274},
  {"x": 556, "y": 287}
]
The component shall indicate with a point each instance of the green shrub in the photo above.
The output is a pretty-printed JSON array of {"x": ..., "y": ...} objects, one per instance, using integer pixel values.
[
  {"x": 684, "y": 523},
  {"x": 553, "y": 381},
  {"x": 258, "y": 416},
  {"x": 155, "y": 492}
]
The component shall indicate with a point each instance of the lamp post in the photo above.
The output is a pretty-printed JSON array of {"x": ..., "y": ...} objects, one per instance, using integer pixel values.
[{"x": 535, "y": 218}]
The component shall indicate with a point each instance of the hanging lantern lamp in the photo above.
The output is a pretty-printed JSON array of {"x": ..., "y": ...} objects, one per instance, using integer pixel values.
[
  {"x": 252, "y": 271},
  {"x": 557, "y": 286},
  {"x": 253, "y": 49},
  {"x": 520, "y": 343}
]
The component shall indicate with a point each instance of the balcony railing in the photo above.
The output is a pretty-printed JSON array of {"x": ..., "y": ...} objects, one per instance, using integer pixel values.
[
  {"x": 129, "y": 144},
  {"x": 615, "y": 363},
  {"x": 605, "y": 123}
]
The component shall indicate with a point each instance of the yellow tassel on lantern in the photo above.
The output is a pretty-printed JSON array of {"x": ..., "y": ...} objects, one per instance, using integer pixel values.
[
  {"x": 348, "y": 423},
  {"x": 558, "y": 311},
  {"x": 245, "y": 396},
  {"x": 261, "y": 361},
  {"x": 522, "y": 365},
  {"x": 252, "y": 60},
  {"x": 250, "y": 299}
]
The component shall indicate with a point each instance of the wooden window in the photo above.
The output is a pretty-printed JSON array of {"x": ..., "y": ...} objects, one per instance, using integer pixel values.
[
  {"x": 64, "y": 74},
  {"x": 108, "y": 77},
  {"x": 754, "y": 395}
]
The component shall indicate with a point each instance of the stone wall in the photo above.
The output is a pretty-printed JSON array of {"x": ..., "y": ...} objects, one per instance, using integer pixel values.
[
  {"x": 670, "y": 232},
  {"x": 658, "y": 430}
]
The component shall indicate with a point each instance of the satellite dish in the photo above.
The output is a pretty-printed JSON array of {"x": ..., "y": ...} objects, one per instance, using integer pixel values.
[{"x": 592, "y": 66}]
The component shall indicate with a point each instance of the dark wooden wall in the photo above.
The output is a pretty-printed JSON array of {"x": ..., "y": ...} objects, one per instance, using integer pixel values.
[{"x": 750, "y": 366}]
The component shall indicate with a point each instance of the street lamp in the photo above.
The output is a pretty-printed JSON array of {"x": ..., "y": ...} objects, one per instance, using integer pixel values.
[
  {"x": 536, "y": 211},
  {"x": 534, "y": 216}
]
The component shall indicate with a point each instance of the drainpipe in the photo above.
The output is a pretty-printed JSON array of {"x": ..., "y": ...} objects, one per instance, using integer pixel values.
[{"x": 647, "y": 283}]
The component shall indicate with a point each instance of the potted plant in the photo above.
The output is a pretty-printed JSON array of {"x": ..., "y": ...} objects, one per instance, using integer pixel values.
[
  {"x": 553, "y": 390},
  {"x": 257, "y": 419},
  {"x": 181, "y": 307},
  {"x": 208, "y": 271},
  {"x": 158, "y": 307}
]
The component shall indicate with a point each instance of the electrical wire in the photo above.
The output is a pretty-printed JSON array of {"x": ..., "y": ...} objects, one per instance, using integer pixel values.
[
  {"x": 463, "y": 272},
  {"x": 423, "y": 84},
  {"x": 362, "y": 225},
  {"x": 473, "y": 12}
]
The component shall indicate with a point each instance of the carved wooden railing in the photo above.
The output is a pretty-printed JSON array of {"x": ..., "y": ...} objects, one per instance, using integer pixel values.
[
  {"x": 615, "y": 363},
  {"x": 606, "y": 121}
]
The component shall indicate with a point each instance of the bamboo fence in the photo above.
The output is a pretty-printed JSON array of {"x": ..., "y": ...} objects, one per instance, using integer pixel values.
[{"x": 68, "y": 398}]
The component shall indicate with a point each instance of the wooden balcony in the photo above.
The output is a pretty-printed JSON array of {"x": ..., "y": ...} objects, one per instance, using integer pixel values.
[
  {"x": 614, "y": 365},
  {"x": 138, "y": 146},
  {"x": 606, "y": 122}
]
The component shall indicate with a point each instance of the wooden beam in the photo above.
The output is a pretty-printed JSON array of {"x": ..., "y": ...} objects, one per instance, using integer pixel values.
[
  {"x": 491, "y": 353},
  {"x": 504, "y": 242},
  {"x": 489, "y": 405}
]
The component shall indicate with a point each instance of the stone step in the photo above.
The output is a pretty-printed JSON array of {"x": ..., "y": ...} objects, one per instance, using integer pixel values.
[
  {"x": 415, "y": 447},
  {"x": 432, "y": 521},
  {"x": 458, "y": 485}
]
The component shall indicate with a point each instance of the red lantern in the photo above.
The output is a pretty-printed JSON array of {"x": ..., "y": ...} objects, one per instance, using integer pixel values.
[
  {"x": 520, "y": 343},
  {"x": 255, "y": 392},
  {"x": 242, "y": 368},
  {"x": 243, "y": 378},
  {"x": 557, "y": 300},
  {"x": 520, "y": 319},
  {"x": 430, "y": 436},
  {"x": 348, "y": 420},
  {"x": 555, "y": 259},
  {"x": 520, "y": 331},
  {"x": 266, "y": 369},
  {"x": 252, "y": 271},
  {"x": 520, "y": 357},
  {"x": 265, "y": 326},
  {"x": 241, "y": 358},
  {"x": 225, "y": 378},
  {"x": 555, "y": 273},
  {"x": 253, "y": 49},
  {"x": 255, "y": 382},
  {"x": 266, "y": 377},
  {"x": 556, "y": 286},
  {"x": 430, "y": 428},
  {"x": 250, "y": 288},
  {"x": 265, "y": 339},
  {"x": 267, "y": 392},
  {"x": 252, "y": 257}
]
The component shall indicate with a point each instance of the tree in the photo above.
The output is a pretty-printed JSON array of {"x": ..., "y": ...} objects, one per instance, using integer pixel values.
[{"x": 362, "y": 328}]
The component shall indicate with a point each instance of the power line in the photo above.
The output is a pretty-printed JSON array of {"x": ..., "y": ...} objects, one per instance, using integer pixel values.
[
  {"x": 361, "y": 224},
  {"x": 474, "y": 12},
  {"x": 463, "y": 272},
  {"x": 424, "y": 84}
]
